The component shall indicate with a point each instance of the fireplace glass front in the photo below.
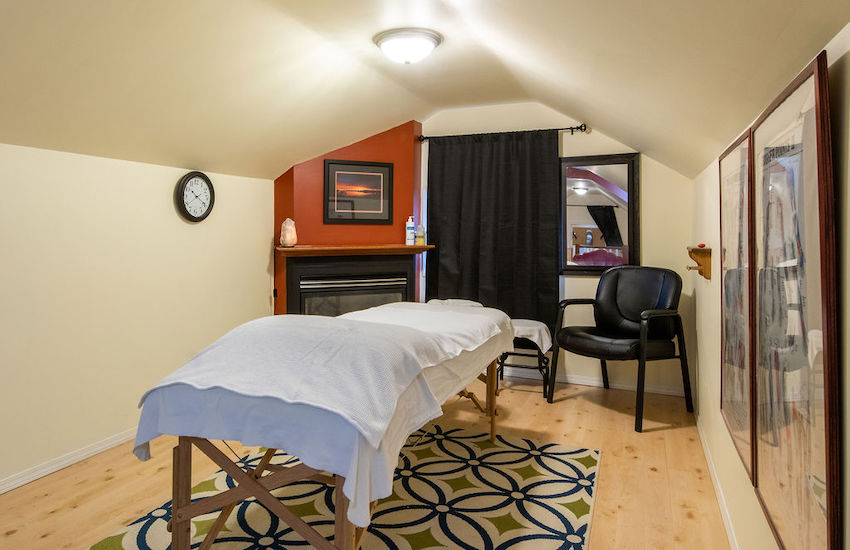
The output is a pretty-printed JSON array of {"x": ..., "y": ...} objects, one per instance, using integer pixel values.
[{"x": 336, "y": 303}]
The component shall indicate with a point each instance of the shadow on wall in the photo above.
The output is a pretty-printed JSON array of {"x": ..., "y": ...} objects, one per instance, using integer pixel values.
[{"x": 687, "y": 309}]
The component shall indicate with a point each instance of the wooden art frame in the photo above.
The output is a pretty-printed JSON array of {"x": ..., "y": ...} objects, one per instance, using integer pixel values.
[
  {"x": 632, "y": 240},
  {"x": 358, "y": 192},
  {"x": 795, "y": 356},
  {"x": 737, "y": 309}
]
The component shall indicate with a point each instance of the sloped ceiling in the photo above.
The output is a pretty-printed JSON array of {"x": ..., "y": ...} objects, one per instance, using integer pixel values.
[{"x": 254, "y": 86}]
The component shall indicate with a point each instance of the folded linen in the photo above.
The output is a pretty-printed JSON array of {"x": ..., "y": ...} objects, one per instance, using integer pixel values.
[
  {"x": 455, "y": 302},
  {"x": 456, "y": 328},
  {"x": 535, "y": 331}
]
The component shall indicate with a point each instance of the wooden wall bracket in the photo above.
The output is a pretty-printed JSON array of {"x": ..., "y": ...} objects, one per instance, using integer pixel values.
[{"x": 702, "y": 256}]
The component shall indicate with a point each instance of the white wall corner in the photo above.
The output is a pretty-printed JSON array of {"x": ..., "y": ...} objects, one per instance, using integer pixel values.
[
  {"x": 676, "y": 391},
  {"x": 718, "y": 490},
  {"x": 40, "y": 470}
]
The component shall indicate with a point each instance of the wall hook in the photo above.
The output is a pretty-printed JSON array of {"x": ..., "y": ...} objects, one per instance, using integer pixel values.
[{"x": 702, "y": 256}]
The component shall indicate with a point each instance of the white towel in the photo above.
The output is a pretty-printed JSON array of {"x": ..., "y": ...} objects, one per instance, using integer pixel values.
[
  {"x": 352, "y": 368},
  {"x": 454, "y": 302},
  {"x": 455, "y": 329},
  {"x": 535, "y": 331}
]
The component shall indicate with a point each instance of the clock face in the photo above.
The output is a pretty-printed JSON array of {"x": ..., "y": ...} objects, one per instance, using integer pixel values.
[{"x": 195, "y": 196}]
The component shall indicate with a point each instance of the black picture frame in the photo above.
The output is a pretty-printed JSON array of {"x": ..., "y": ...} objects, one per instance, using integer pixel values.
[
  {"x": 371, "y": 203},
  {"x": 632, "y": 241}
]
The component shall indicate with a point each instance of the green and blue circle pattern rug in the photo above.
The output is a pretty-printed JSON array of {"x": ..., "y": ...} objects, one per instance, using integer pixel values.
[{"x": 452, "y": 489}]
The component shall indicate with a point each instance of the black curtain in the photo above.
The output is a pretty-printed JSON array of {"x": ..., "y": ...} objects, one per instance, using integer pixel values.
[
  {"x": 606, "y": 221},
  {"x": 493, "y": 214}
]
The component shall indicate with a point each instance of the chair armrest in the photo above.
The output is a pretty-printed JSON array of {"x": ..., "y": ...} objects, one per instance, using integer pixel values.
[
  {"x": 576, "y": 301},
  {"x": 650, "y": 314}
]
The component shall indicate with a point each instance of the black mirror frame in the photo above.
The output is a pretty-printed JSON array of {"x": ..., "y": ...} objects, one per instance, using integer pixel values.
[{"x": 632, "y": 160}]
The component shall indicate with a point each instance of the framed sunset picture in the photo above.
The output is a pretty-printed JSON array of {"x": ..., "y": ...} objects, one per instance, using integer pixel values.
[{"x": 358, "y": 192}]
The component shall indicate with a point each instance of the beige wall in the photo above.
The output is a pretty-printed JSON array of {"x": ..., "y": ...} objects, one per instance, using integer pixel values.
[
  {"x": 105, "y": 289},
  {"x": 735, "y": 492},
  {"x": 666, "y": 204},
  {"x": 742, "y": 510}
]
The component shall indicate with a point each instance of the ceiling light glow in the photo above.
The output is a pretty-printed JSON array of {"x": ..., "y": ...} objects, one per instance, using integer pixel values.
[
  {"x": 580, "y": 190},
  {"x": 407, "y": 45}
]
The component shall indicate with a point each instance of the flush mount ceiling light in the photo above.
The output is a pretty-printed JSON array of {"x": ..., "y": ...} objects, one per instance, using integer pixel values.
[
  {"x": 407, "y": 45},
  {"x": 580, "y": 190}
]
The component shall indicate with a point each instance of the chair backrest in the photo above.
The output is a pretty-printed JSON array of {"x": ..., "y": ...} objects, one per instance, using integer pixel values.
[{"x": 625, "y": 291}]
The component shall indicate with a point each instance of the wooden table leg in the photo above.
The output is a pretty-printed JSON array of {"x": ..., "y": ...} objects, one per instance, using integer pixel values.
[
  {"x": 181, "y": 494},
  {"x": 344, "y": 532},
  {"x": 218, "y": 525},
  {"x": 491, "y": 398},
  {"x": 471, "y": 396}
]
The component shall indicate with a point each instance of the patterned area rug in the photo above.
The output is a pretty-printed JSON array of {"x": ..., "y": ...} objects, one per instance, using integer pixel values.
[{"x": 452, "y": 489}]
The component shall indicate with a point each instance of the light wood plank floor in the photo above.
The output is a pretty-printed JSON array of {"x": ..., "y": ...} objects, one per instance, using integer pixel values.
[{"x": 654, "y": 488}]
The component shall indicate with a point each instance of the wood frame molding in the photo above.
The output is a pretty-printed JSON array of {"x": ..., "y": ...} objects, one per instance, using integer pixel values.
[
  {"x": 750, "y": 466},
  {"x": 829, "y": 295}
]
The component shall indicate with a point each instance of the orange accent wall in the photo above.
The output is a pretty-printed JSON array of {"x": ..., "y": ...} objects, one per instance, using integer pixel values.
[{"x": 298, "y": 193}]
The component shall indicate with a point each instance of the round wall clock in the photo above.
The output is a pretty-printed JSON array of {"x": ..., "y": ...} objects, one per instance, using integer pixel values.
[{"x": 194, "y": 196}]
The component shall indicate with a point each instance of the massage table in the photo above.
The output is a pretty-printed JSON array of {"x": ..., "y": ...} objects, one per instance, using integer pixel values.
[{"x": 343, "y": 394}]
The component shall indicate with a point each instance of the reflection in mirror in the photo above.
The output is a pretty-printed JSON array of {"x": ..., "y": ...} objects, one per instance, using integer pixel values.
[
  {"x": 598, "y": 212},
  {"x": 792, "y": 339},
  {"x": 736, "y": 389}
]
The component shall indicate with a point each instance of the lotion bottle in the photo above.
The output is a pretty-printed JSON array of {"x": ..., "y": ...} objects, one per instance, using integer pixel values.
[{"x": 409, "y": 232}]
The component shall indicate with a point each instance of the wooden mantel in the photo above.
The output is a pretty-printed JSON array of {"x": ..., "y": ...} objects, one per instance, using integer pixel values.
[{"x": 351, "y": 250}]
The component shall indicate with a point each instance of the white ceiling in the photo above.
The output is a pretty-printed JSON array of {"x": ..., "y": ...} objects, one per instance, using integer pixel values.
[{"x": 254, "y": 86}]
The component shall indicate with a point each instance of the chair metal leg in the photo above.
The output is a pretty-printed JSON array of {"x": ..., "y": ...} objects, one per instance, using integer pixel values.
[
  {"x": 553, "y": 371},
  {"x": 639, "y": 391},
  {"x": 683, "y": 360},
  {"x": 644, "y": 337},
  {"x": 604, "y": 373},
  {"x": 543, "y": 368}
]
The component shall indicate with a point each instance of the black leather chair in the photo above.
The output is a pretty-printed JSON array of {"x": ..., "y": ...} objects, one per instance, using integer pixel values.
[{"x": 636, "y": 318}]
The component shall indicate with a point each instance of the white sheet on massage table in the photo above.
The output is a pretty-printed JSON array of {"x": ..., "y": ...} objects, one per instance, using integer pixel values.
[{"x": 329, "y": 443}]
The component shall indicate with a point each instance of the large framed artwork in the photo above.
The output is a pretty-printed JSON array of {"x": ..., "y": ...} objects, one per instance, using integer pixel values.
[
  {"x": 796, "y": 348},
  {"x": 358, "y": 192},
  {"x": 737, "y": 390}
]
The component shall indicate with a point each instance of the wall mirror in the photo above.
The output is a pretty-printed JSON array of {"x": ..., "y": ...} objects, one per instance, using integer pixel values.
[{"x": 599, "y": 213}]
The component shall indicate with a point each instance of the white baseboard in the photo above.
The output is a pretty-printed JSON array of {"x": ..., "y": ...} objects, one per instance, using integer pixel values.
[
  {"x": 595, "y": 381},
  {"x": 55, "y": 464},
  {"x": 718, "y": 490}
]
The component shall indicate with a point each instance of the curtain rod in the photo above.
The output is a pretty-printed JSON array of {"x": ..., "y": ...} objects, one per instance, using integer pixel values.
[{"x": 573, "y": 129}]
